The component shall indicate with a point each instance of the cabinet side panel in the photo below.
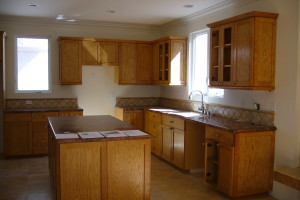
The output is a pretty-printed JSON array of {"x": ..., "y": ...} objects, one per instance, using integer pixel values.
[
  {"x": 80, "y": 170},
  {"x": 254, "y": 159},
  {"x": 128, "y": 164},
  {"x": 264, "y": 51},
  {"x": 194, "y": 145},
  {"x": 178, "y": 62},
  {"x": 244, "y": 56}
]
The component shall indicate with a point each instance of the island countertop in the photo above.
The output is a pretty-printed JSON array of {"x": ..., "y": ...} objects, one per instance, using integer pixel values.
[{"x": 75, "y": 124}]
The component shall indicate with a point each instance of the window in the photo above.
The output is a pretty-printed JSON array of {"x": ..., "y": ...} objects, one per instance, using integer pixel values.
[
  {"x": 32, "y": 70},
  {"x": 199, "y": 64}
]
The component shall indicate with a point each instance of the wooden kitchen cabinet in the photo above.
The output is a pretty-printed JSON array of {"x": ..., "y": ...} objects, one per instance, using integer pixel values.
[
  {"x": 104, "y": 53},
  {"x": 70, "y": 61},
  {"x": 27, "y": 133},
  {"x": 40, "y": 132},
  {"x": 17, "y": 134},
  {"x": 134, "y": 117},
  {"x": 239, "y": 164},
  {"x": 135, "y": 64},
  {"x": 169, "y": 61},
  {"x": 153, "y": 126},
  {"x": 242, "y": 52}
]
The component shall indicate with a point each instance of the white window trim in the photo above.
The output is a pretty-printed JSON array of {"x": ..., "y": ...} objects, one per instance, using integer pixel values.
[{"x": 49, "y": 64}]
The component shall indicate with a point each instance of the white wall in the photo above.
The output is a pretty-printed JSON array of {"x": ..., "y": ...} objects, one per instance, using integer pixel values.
[{"x": 284, "y": 99}]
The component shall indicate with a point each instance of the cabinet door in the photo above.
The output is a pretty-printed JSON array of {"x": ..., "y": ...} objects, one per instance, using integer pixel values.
[
  {"x": 178, "y": 154},
  {"x": 227, "y": 55},
  {"x": 127, "y": 63},
  {"x": 108, "y": 53},
  {"x": 17, "y": 138},
  {"x": 167, "y": 143},
  {"x": 89, "y": 53},
  {"x": 225, "y": 170},
  {"x": 156, "y": 66},
  {"x": 211, "y": 162},
  {"x": 40, "y": 137},
  {"x": 128, "y": 169},
  {"x": 128, "y": 116},
  {"x": 164, "y": 50},
  {"x": 177, "y": 63},
  {"x": 215, "y": 64},
  {"x": 138, "y": 119},
  {"x": 144, "y": 64},
  {"x": 244, "y": 43},
  {"x": 70, "y": 62},
  {"x": 83, "y": 171}
]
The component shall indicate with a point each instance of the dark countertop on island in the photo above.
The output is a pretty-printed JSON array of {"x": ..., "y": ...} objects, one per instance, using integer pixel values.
[{"x": 75, "y": 124}]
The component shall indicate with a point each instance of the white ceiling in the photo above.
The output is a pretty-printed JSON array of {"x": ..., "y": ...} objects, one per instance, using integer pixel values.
[{"x": 150, "y": 12}]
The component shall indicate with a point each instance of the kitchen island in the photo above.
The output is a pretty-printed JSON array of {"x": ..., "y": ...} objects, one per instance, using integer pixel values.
[{"x": 97, "y": 168}]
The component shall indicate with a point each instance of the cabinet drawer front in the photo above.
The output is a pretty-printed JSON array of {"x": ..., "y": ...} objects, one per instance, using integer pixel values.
[
  {"x": 173, "y": 121},
  {"x": 154, "y": 128},
  {"x": 219, "y": 135},
  {"x": 70, "y": 113},
  {"x": 42, "y": 116},
  {"x": 17, "y": 117},
  {"x": 154, "y": 117}
]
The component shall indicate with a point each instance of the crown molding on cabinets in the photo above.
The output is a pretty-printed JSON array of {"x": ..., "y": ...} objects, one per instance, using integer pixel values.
[
  {"x": 205, "y": 12},
  {"x": 6, "y": 19}
]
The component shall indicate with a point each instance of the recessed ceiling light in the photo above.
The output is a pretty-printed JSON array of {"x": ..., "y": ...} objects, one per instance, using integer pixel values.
[
  {"x": 188, "y": 6},
  {"x": 110, "y": 11},
  {"x": 32, "y": 4}
]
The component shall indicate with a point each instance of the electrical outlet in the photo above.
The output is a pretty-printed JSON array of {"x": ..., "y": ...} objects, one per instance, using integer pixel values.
[{"x": 28, "y": 102}]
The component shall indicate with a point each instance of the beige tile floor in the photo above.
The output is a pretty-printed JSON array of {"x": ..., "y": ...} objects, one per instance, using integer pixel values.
[{"x": 28, "y": 179}]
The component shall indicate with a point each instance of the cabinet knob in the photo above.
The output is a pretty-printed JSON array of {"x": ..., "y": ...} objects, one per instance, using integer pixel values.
[
  {"x": 171, "y": 122},
  {"x": 209, "y": 144}
]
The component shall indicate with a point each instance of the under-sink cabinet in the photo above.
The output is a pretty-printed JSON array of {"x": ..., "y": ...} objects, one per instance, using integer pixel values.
[{"x": 239, "y": 164}]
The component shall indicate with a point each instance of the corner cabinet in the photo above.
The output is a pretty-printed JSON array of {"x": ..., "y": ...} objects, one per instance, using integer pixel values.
[
  {"x": 169, "y": 61},
  {"x": 239, "y": 164},
  {"x": 242, "y": 52},
  {"x": 134, "y": 117}
]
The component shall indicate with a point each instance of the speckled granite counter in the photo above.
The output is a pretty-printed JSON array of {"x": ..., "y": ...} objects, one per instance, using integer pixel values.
[{"x": 218, "y": 122}]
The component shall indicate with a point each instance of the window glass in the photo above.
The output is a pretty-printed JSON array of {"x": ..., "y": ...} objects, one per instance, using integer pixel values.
[
  {"x": 32, "y": 64},
  {"x": 199, "y": 64}
]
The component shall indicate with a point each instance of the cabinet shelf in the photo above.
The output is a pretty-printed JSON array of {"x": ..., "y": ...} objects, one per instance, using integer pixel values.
[
  {"x": 227, "y": 45},
  {"x": 227, "y": 65}
]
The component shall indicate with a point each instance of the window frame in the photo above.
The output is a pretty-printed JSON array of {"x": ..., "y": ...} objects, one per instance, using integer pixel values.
[{"x": 16, "y": 64}]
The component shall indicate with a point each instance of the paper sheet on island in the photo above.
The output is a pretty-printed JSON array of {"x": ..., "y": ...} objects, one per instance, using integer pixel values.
[
  {"x": 133, "y": 132},
  {"x": 87, "y": 135},
  {"x": 110, "y": 134},
  {"x": 66, "y": 135}
]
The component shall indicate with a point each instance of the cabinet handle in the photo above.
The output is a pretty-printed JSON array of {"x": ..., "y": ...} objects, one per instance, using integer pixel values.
[{"x": 209, "y": 144}]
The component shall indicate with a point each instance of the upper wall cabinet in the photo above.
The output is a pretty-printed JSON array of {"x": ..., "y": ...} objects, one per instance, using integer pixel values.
[
  {"x": 70, "y": 60},
  {"x": 242, "y": 52},
  {"x": 169, "y": 61},
  {"x": 159, "y": 62},
  {"x": 99, "y": 53}
]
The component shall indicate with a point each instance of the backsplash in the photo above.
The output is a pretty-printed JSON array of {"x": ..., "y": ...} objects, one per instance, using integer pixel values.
[
  {"x": 42, "y": 103},
  {"x": 264, "y": 117}
]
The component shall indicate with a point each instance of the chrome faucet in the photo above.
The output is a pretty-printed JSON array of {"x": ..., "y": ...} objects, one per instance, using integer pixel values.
[{"x": 202, "y": 108}]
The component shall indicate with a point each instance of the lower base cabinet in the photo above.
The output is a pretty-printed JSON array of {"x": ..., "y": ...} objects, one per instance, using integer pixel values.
[
  {"x": 239, "y": 164},
  {"x": 106, "y": 170}
]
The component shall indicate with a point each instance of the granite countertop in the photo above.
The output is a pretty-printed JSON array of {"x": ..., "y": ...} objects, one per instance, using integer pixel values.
[
  {"x": 231, "y": 125},
  {"x": 42, "y": 109},
  {"x": 91, "y": 123}
]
